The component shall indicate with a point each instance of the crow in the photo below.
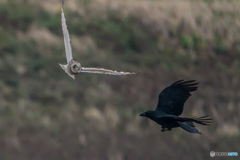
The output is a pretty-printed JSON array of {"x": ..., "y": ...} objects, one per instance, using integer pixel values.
[{"x": 170, "y": 106}]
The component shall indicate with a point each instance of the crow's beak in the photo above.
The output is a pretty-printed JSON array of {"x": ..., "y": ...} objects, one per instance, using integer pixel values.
[{"x": 143, "y": 114}]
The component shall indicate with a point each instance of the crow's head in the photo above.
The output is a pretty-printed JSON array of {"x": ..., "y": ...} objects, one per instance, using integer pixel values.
[{"x": 149, "y": 114}]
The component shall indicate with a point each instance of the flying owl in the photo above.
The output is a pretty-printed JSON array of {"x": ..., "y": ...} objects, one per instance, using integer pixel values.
[{"x": 73, "y": 67}]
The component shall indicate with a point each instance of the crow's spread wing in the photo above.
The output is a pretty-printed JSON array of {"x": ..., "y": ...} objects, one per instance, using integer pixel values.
[
  {"x": 172, "y": 99},
  {"x": 67, "y": 41}
]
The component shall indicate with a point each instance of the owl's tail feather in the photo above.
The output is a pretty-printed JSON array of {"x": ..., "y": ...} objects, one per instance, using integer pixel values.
[{"x": 65, "y": 68}]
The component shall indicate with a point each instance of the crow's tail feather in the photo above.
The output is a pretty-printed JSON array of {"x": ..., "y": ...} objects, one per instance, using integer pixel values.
[
  {"x": 201, "y": 120},
  {"x": 189, "y": 126},
  {"x": 187, "y": 123}
]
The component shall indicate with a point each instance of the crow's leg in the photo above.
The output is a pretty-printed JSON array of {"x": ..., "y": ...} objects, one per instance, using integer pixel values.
[{"x": 163, "y": 129}]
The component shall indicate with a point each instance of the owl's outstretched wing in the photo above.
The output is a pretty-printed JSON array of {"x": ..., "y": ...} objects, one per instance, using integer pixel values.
[
  {"x": 105, "y": 71},
  {"x": 67, "y": 41}
]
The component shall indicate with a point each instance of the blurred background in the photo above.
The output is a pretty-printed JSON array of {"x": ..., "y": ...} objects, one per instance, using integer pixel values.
[{"x": 45, "y": 114}]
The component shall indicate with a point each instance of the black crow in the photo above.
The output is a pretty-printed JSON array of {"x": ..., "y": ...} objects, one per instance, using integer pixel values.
[{"x": 170, "y": 106}]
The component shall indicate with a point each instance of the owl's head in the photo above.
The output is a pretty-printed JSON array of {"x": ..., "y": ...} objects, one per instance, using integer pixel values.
[{"x": 75, "y": 67}]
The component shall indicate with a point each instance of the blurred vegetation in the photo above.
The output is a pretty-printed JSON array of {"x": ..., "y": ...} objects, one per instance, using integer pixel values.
[{"x": 44, "y": 114}]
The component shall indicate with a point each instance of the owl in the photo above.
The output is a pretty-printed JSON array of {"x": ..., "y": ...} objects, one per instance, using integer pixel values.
[{"x": 73, "y": 67}]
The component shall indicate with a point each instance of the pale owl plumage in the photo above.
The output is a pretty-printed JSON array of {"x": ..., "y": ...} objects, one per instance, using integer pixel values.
[{"x": 73, "y": 67}]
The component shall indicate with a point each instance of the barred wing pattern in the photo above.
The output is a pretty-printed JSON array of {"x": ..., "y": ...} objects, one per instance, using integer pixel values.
[
  {"x": 105, "y": 71},
  {"x": 67, "y": 41}
]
